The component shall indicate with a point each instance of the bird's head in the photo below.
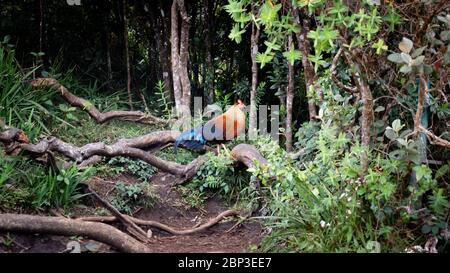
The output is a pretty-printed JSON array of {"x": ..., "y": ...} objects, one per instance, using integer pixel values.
[{"x": 239, "y": 104}]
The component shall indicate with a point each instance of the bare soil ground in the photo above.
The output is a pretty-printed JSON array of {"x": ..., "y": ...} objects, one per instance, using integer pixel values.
[{"x": 169, "y": 209}]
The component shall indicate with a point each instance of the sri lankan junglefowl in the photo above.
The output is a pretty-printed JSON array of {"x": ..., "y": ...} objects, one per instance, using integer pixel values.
[{"x": 224, "y": 127}]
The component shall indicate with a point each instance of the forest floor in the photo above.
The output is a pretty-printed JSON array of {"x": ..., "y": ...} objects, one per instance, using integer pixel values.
[{"x": 169, "y": 208}]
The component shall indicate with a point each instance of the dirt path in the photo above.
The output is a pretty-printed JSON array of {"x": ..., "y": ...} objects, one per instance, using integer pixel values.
[{"x": 169, "y": 210}]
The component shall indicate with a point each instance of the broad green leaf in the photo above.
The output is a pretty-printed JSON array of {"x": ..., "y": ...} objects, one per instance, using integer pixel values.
[
  {"x": 397, "y": 125},
  {"x": 444, "y": 19},
  {"x": 395, "y": 58},
  {"x": 405, "y": 69},
  {"x": 390, "y": 133},
  {"x": 317, "y": 60},
  {"x": 338, "y": 98},
  {"x": 406, "y": 58},
  {"x": 421, "y": 172},
  {"x": 447, "y": 58},
  {"x": 243, "y": 18},
  {"x": 419, "y": 60},
  {"x": 418, "y": 52},
  {"x": 402, "y": 142}
]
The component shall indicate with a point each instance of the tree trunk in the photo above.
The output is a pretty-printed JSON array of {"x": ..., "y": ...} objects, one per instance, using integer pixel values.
[
  {"x": 209, "y": 75},
  {"x": 366, "y": 122},
  {"x": 180, "y": 55},
  {"x": 127, "y": 56},
  {"x": 253, "y": 92},
  {"x": 175, "y": 41},
  {"x": 160, "y": 29},
  {"x": 195, "y": 55},
  {"x": 184, "y": 55},
  {"x": 166, "y": 57},
  {"x": 308, "y": 69},
  {"x": 41, "y": 23},
  {"x": 367, "y": 112},
  {"x": 108, "y": 59},
  {"x": 289, "y": 101},
  {"x": 180, "y": 76}
]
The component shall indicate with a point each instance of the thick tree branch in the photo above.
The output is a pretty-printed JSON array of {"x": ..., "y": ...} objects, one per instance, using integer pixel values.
[
  {"x": 134, "y": 116},
  {"x": 367, "y": 100},
  {"x": 420, "y": 104},
  {"x": 308, "y": 69},
  {"x": 131, "y": 148},
  {"x": 333, "y": 72},
  {"x": 434, "y": 139}
]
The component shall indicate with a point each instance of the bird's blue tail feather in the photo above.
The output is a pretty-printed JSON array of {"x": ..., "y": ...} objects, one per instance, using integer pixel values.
[{"x": 192, "y": 139}]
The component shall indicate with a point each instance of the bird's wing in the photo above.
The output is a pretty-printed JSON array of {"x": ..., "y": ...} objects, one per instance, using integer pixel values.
[{"x": 213, "y": 129}]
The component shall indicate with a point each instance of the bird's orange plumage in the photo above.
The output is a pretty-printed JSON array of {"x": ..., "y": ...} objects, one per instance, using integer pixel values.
[
  {"x": 224, "y": 127},
  {"x": 228, "y": 125}
]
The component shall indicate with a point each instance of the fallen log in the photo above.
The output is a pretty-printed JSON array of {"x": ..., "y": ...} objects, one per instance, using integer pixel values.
[
  {"x": 67, "y": 227},
  {"x": 99, "y": 117}
]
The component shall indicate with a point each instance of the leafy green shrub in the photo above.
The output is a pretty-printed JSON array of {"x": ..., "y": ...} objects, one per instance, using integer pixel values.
[
  {"x": 11, "y": 196},
  {"x": 192, "y": 196},
  {"x": 28, "y": 184},
  {"x": 7, "y": 166},
  {"x": 138, "y": 168},
  {"x": 20, "y": 105},
  {"x": 324, "y": 203},
  {"x": 164, "y": 102},
  {"x": 129, "y": 196},
  {"x": 183, "y": 156},
  {"x": 218, "y": 174},
  {"x": 57, "y": 189}
]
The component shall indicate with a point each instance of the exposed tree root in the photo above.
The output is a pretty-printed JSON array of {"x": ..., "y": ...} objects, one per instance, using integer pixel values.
[
  {"x": 68, "y": 227},
  {"x": 130, "y": 225},
  {"x": 164, "y": 227},
  {"x": 134, "y": 116}
]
